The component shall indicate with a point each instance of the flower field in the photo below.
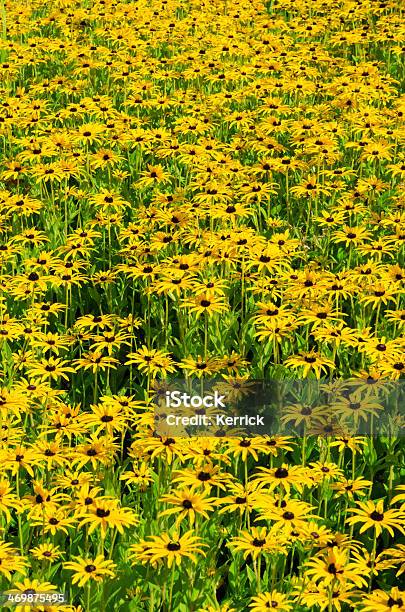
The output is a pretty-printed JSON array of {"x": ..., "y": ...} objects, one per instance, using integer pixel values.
[{"x": 201, "y": 190}]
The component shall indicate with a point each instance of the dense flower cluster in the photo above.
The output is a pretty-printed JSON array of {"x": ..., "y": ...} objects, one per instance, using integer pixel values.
[{"x": 199, "y": 188}]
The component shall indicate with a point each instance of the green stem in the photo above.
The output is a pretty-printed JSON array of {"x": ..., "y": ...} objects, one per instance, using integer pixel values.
[
  {"x": 171, "y": 588},
  {"x": 20, "y": 534},
  {"x": 3, "y": 19},
  {"x": 373, "y": 553},
  {"x": 88, "y": 597}
]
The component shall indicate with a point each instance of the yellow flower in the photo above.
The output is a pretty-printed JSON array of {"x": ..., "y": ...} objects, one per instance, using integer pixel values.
[
  {"x": 311, "y": 361},
  {"x": 11, "y": 561},
  {"x": 171, "y": 548},
  {"x": 188, "y": 504},
  {"x": 257, "y": 541},
  {"x": 270, "y": 600},
  {"x": 51, "y": 368},
  {"x": 334, "y": 565},
  {"x": 381, "y": 601},
  {"x": 86, "y": 569},
  {"x": 151, "y": 361},
  {"x": 152, "y": 176},
  {"x": 371, "y": 515},
  {"x": 46, "y": 552},
  {"x": 205, "y": 303},
  {"x": 107, "y": 514}
]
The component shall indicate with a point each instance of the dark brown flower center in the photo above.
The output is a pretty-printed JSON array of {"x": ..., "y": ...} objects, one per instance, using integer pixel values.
[
  {"x": 395, "y": 602},
  {"x": 258, "y": 543},
  {"x": 101, "y": 513},
  {"x": 288, "y": 516},
  {"x": 281, "y": 473},
  {"x": 204, "y": 476}
]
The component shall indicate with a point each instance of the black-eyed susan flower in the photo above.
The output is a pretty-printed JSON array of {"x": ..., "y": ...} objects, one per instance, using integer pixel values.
[
  {"x": 8, "y": 499},
  {"x": 312, "y": 594},
  {"x": 85, "y": 569},
  {"x": 396, "y": 556},
  {"x": 271, "y": 600},
  {"x": 240, "y": 498},
  {"x": 11, "y": 561},
  {"x": 200, "y": 366},
  {"x": 188, "y": 503},
  {"x": 285, "y": 476},
  {"x": 256, "y": 541},
  {"x": 354, "y": 235},
  {"x": 383, "y": 601},
  {"x": 206, "y": 304},
  {"x": 206, "y": 476},
  {"x": 95, "y": 361},
  {"x": 96, "y": 450},
  {"x": 152, "y": 361},
  {"x": 53, "y": 522},
  {"x": 155, "y": 174},
  {"x": 371, "y": 515},
  {"x": 141, "y": 476},
  {"x": 46, "y": 552},
  {"x": 311, "y": 361},
  {"x": 288, "y": 515},
  {"x": 335, "y": 566},
  {"x": 51, "y": 368},
  {"x": 351, "y": 488},
  {"x": 245, "y": 447},
  {"x": 161, "y": 446},
  {"x": 107, "y": 514},
  {"x": 173, "y": 548}
]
